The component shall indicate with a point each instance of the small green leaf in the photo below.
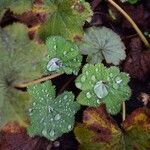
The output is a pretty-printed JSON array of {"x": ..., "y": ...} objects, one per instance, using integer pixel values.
[
  {"x": 102, "y": 43},
  {"x": 63, "y": 56},
  {"x": 50, "y": 116},
  {"x": 65, "y": 18},
  {"x": 103, "y": 85}
]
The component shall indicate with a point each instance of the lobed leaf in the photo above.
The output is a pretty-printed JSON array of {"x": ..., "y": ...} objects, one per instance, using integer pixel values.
[
  {"x": 63, "y": 56},
  {"x": 99, "y": 131},
  {"x": 65, "y": 18},
  {"x": 20, "y": 61},
  {"x": 17, "y": 6},
  {"x": 103, "y": 85},
  {"x": 50, "y": 116},
  {"x": 102, "y": 44}
]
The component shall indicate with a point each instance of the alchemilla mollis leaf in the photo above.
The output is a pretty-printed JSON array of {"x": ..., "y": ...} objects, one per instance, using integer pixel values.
[
  {"x": 65, "y": 18},
  {"x": 20, "y": 60},
  {"x": 63, "y": 56},
  {"x": 17, "y": 6},
  {"x": 101, "y": 43},
  {"x": 103, "y": 85},
  {"x": 51, "y": 116}
]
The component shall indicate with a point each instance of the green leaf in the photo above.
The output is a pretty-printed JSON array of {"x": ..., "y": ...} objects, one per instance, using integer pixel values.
[
  {"x": 17, "y": 6},
  {"x": 102, "y": 43},
  {"x": 50, "y": 116},
  {"x": 63, "y": 56},
  {"x": 20, "y": 61},
  {"x": 65, "y": 18},
  {"x": 103, "y": 85},
  {"x": 100, "y": 132}
]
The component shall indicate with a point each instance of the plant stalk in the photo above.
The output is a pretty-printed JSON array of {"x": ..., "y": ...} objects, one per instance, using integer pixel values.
[
  {"x": 123, "y": 111},
  {"x": 143, "y": 38},
  {"x": 24, "y": 85}
]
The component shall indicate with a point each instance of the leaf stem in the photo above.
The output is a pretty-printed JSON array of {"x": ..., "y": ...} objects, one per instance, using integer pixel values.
[
  {"x": 131, "y": 21},
  {"x": 123, "y": 111},
  {"x": 24, "y": 85}
]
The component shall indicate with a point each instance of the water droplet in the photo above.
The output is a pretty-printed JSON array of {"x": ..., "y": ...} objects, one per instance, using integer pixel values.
[
  {"x": 65, "y": 97},
  {"x": 96, "y": 69},
  {"x": 54, "y": 64},
  {"x": 42, "y": 120},
  {"x": 87, "y": 73},
  {"x": 30, "y": 110},
  {"x": 78, "y": 85},
  {"x": 118, "y": 80},
  {"x": 57, "y": 117},
  {"x": 54, "y": 47},
  {"x": 93, "y": 78},
  {"x": 50, "y": 109},
  {"x": 34, "y": 104},
  {"x": 65, "y": 52},
  {"x": 88, "y": 95},
  {"x": 83, "y": 79},
  {"x": 69, "y": 127},
  {"x": 52, "y": 133},
  {"x": 98, "y": 101},
  {"x": 100, "y": 89},
  {"x": 115, "y": 86},
  {"x": 44, "y": 132}
]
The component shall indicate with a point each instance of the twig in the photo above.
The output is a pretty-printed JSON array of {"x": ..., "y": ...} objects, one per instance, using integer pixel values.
[
  {"x": 24, "y": 85},
  {"x": 123, "y": 111},
  {"x": 131, "y": 21}
]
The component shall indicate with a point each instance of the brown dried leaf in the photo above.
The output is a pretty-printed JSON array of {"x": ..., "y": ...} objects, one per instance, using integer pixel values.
[
  {"x": 137, "y": 62},
  {"x": 14, "y": 137}
]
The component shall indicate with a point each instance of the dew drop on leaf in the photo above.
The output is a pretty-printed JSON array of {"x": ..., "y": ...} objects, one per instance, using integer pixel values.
[
  {"x": 55, "y": 47},
  {"x": 54, "y": 64},
  {"x": 65, "y": 52},
  {"x": 78, "y": 85},
  {"x": 93, "y": 78},
  {"x": 100, "y": 89},
  {"x": 44, "y": 132},
  {"x": 118, "y": 80},
  {"x": 83, "y": 78},
  {"x": 69, "y": 127},
  {"x": 57, "y": 117},
  {"x": 88, "y": 95},
  {"x": 98, "y": 101},
  {"x": 52, "y": 133},
  {"x": 65, "y": 97}
]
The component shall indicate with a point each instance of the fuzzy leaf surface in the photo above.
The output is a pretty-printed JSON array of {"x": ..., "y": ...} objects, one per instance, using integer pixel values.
[
  {"x": 65, "y": 18},
  {"x": 50, "y": 116},
  {"x": 17, "y": 6},
  {"x": 103, "y": 85},
  {"x": 102, "y": 44},
  {"x": 19, "y": 62},
  {"x": 63, "y": 56},
  {"x": 99, "y": 131}
]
